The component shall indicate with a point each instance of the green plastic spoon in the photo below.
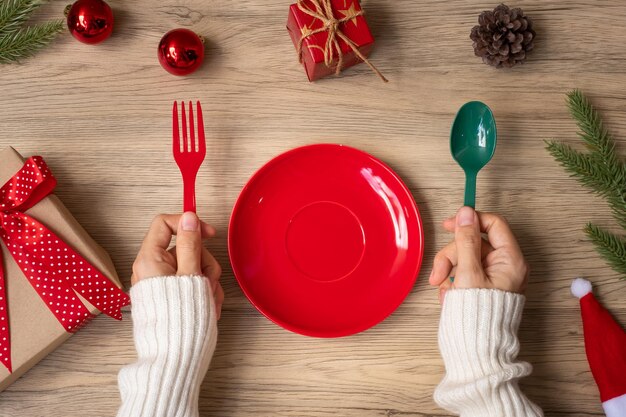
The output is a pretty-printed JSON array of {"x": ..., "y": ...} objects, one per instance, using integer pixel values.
[{"x": 472, "y": 143}]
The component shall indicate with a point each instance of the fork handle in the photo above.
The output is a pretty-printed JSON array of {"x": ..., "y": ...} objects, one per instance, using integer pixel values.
[{"x": 189, "y": 190}]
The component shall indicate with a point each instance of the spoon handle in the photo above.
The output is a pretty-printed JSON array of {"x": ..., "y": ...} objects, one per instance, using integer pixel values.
[{"x": 470, "y": 189}]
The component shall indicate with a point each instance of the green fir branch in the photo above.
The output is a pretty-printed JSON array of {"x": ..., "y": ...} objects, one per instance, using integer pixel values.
[
  {"x": 14, "y": 13},
  {"x": 591, "y": 171},
  {"x": 601, "y": 169},
  {"x": 582, "y": 166},
  {"x": 597, "y": 138},
  {"x": 610, "y": 246},
  {"x": 588, "y": 120},
  {"x": 25, "y": 42}
]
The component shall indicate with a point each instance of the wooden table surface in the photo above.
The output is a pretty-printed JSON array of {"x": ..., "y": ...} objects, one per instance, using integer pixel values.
[{"x": 101, "y": 117}]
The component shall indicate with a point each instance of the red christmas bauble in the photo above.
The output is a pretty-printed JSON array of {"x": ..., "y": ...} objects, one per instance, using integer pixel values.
[
  {"x": 90, "y": 21},
  {"x": 181, "y": 51}
]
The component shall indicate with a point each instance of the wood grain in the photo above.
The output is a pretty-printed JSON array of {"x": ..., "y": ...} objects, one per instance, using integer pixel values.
[{"x": 100, "y": 116}]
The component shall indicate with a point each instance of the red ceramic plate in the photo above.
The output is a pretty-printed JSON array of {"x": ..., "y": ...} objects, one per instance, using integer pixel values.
[{"x": 326, "y": 240}]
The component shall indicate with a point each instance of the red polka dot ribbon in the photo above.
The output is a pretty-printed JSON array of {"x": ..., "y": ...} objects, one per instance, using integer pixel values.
[{"x": 55, "y": 270}]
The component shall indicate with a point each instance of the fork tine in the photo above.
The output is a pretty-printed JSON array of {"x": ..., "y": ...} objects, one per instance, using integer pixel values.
[
  {"x": 175, "y": 129},
  {"x": 184, "y": 118},
  {"x": 201, "y": 140},
  {"x": 192, "y": 133}
]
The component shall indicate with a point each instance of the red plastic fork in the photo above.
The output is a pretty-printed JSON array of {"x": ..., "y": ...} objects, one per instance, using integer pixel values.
[{"x": 190, "y": 155}]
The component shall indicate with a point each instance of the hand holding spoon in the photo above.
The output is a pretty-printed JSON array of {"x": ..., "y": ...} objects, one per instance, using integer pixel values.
[{"x": 472, "y": 143}]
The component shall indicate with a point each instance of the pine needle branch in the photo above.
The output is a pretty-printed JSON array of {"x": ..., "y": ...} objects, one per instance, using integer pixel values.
[
  {"x": 601, "y": 169},
  {"x": 593, "y": 174},
  {"x": 610, "y": 246},
  {"x": 583, "y": 166},
  {"x": 596, "y": 137},
  {"x": 588, "y": 120},
  {"x": 14, "y": 13},
  {"x": 25, "y": 42}
]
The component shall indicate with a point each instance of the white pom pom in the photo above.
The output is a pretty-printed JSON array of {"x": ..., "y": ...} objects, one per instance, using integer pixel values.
[{"x": 581, "y": 287}]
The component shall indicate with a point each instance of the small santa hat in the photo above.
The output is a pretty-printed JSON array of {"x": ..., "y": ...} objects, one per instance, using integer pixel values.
[{"x": 605, "y": 344}]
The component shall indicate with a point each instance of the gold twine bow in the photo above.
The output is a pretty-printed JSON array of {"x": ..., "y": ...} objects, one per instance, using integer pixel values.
[{"x": 324, "y": 13}]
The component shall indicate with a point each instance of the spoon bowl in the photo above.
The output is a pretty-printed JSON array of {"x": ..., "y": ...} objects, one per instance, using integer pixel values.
[{"x": 472, "y": 143}]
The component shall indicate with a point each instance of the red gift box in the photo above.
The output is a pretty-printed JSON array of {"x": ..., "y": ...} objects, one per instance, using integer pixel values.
[{"x": 330, "y": 35}]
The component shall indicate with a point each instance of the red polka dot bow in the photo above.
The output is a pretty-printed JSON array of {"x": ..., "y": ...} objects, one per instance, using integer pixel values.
[{"x": 55, "y": 270}]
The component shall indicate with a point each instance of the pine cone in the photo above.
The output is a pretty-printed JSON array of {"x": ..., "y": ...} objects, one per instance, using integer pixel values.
[{"x": 503, "y": 36}]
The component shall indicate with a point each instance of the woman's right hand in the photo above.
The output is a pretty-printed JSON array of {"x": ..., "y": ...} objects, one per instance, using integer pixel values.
[
  {"x": 188, "y": 257},
  {"x": 496, "y": 262}
]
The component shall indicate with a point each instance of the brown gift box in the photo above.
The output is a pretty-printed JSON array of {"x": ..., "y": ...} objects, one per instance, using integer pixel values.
[{"x": 34, "y": 330}]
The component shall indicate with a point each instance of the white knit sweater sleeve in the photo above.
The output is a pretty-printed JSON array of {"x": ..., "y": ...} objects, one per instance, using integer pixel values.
[
  {"x": 479, "y": 345},
  {"x": 175, "y": 332}
]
